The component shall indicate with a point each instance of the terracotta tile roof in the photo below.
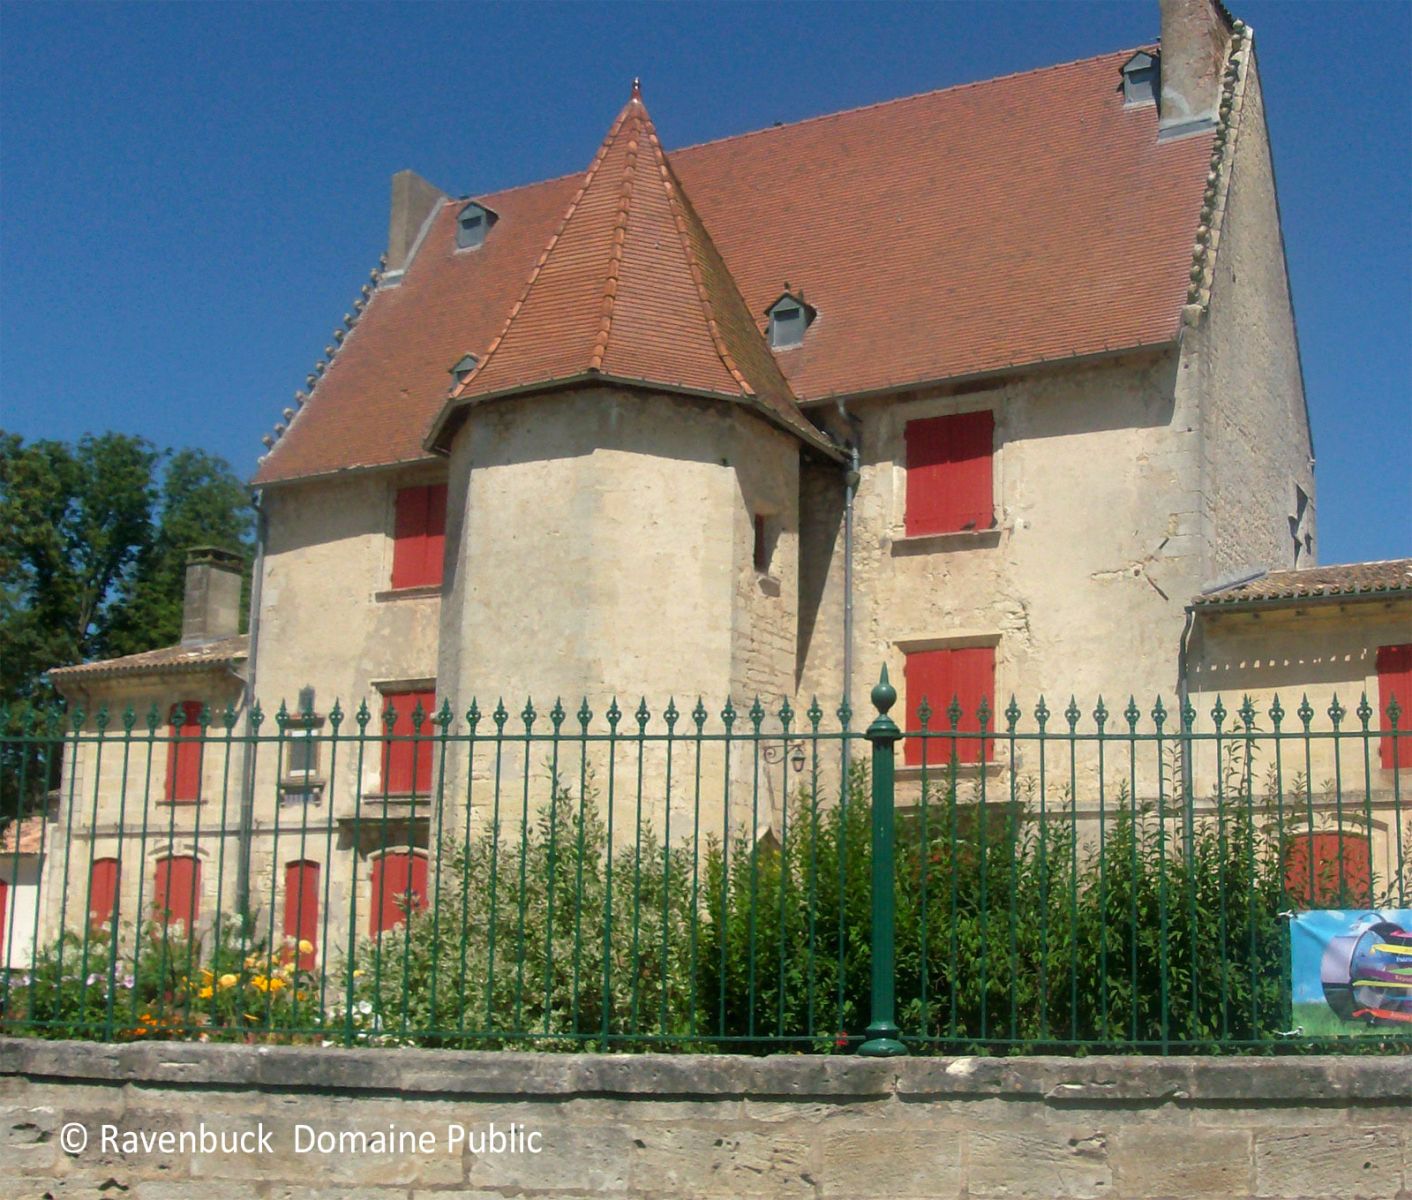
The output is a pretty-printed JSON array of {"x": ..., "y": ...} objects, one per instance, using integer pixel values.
[
  {"x": 998, "y": 224},
  {"x": 223, "y": 653},
  {"x": 28, "y": 833},
  {"x": 1386, "y": 578},
  {"x": 630, "y": 288}
]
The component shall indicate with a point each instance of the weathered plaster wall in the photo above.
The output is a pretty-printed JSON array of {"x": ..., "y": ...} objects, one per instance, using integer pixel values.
[
  {"x": 1240, "y": 372},
  {"x": 113, "y": 781},
  {"x": 1080, "y": 585},
  {"x": 653, "y": 1126},
  {"x": 602, "y": 545}
]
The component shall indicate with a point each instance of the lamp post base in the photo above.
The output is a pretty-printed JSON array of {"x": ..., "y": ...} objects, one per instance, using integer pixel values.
[{"x": 882, "y": 1042}]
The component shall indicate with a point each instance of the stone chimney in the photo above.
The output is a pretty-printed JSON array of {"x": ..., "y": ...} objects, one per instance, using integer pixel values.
[
  {"x": 413, "y": 200},
  {"x": 1196, "y": 38},
  {"x": 210, "y": 609}
]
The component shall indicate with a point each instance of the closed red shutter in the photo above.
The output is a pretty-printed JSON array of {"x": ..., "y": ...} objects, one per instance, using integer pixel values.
[
  {"x": 419, "y": 536},
  {"x": 399, "y": 883},
  {"x": 407, "y": 754},
  {"x": 301, "y": 908},
  {"x": 1395, "y": 682},
  {"x": 950, "y": 484},
  {"x": 434, "y": 544},
  {"x": 184, "y": 755},
  {"x": 102, "y": 890},
  {"x": 176, "y": 891},
  {"x": 1312, "y": 868},
  {"x": 966, "y": 674},
  {"x": 4, "y": 924}
]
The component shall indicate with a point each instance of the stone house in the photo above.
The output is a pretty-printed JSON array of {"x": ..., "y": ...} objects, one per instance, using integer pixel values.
[{"x": 982, "y": 384}]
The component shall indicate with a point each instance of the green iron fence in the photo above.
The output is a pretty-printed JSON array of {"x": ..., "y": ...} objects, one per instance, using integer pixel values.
[{"x": 690, "y": 880}]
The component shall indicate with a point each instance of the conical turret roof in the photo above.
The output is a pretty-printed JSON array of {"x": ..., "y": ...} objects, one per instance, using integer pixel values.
[{"x": 631, "y": 289}]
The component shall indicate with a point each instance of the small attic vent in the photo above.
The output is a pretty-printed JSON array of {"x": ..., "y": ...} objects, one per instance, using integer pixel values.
[
  {"x": 463, "y": 368},
  {"x": 789, "y": 318},
  {"x": 1140, "y": 79},
  {"x": 472, "y": 224}
]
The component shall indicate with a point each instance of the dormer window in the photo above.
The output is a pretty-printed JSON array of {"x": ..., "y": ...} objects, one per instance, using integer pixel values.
[
  {"x": 1140, "y": 79},
  {"x": 789, "y": 317},
  {"x": 472, "y": 224},
  {"x": 463, "y": 368}
]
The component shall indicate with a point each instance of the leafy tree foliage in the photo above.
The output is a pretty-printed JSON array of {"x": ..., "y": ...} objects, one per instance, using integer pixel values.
[{"x": 93, "y": 538}]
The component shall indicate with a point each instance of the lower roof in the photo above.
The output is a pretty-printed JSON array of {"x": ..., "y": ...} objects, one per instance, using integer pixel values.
[{"x": 1391, "y": 578}]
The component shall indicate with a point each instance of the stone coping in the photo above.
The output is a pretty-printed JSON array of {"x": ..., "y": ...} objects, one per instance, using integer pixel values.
[{"x": 489, "y": 1074}]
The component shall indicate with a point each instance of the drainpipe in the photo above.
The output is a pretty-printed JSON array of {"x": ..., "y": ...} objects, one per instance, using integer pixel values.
[
  {"x": 1183, "y": 691},
  {"x": 247, "y": 791},
  {"x": 850, "y": 489}
]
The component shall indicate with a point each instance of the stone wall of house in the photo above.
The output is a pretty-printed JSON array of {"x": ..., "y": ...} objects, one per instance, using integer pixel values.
[
  {"x": 111, "y": 797},
  {"x": 653, "y": 1127},
  {"x": 1081, "y": 584},
  {"x": 1242, "y": 361}
]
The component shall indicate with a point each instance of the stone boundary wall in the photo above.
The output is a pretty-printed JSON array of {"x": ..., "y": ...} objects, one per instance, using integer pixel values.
[{"x": 658, "y": 1126}]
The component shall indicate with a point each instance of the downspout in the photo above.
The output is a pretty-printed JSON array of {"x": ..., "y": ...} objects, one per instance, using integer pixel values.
[
  {"x": 850, "y": 489},
  {"x": 1183, "y": 692},
  {"x": 247, "y": 791}
]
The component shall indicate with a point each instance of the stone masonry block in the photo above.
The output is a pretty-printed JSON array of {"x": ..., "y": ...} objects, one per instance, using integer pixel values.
[
  {"x": 1185, "y": 1163},
  {"x": 723, "y": 1161},
  {"x": 1348, "y": 1163},
  {"x": 1057, "y": 1163},
  {"x": 886, "y": 1161}
]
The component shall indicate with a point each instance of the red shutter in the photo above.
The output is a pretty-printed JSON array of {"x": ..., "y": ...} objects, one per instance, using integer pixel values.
[
  {"x": 949, "y": 476},
  {"x": 434, "y": 545},
  {"x": 1395, "y": 682},
  {"x": 301, "y": 908},
  {"x": 939, "y": 676},
  {"x": 399, "y": 883},
  {"x": 4, "y": 927},
  {"x": 419, "y": 536},
  {"x": 407, "y": 753},
  {"x": 1312, "y": 875},
  {"x": 102, "y": 890},
  {"x": 184, "y": 755},
  {"x": 176, "y": 891}
]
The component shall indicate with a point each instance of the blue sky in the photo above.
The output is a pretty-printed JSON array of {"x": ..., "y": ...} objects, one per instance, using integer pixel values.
[{"x": 190, "y": 195}]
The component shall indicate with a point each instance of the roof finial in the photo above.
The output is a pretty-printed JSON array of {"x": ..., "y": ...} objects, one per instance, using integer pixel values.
[{"x": 636, "y": 88}]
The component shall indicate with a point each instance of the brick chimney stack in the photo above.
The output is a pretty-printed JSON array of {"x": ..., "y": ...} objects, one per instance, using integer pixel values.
[
  {"x": 1196, "y": 38},
  {"x": 210, "y": 608}
]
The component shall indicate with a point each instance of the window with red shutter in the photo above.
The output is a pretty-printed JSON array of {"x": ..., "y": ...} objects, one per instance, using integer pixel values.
[
  {"x": 301, "y": 910},
  {"x": 176, "y": 891},
  {"x": 102, "y": 890},
  {"x": 4, "y": 925},
  {"x": 1395, "y": 683},
  {"x": 419, "y": 536},
  {"x": 965, "y": 674},
  {"x": 184, "y": 754},
  {"x": 949, "y": 473},
  {"x": 407, "y": 750},
  {"x": 1328, "y": 868},
  {"x": 399, "y": 885}
]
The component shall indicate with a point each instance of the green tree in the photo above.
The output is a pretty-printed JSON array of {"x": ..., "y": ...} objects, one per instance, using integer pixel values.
[{"x": 92, "y": 541}]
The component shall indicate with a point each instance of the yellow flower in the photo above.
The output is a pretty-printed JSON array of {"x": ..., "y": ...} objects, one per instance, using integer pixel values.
[
  {"x": 276, "y": 984},
  {"x": 259, "y": 983},
  {"x": 252, "y": 961},
  {"x": 205, "y": 992},
  {"x": 306, "y": 946},
  {"x": 228, "y": 981},
  {"x": 207, "y": 974}
]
